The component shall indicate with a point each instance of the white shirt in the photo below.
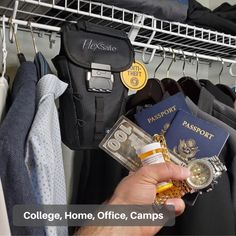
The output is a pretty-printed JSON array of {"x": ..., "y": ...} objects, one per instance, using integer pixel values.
[
  {"x": 4, "y": 223},
  {"x": 43, "y": 149},
  {"x": 3, "y": 96}
]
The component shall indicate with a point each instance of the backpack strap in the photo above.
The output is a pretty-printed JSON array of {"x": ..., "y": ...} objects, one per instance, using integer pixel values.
[{"x": 99, "y": 118}]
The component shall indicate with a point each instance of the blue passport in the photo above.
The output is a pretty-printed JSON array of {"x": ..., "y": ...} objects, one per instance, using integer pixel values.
[
  {"x": 157, "y": 119},
  {"x": 191, "y": 137}
]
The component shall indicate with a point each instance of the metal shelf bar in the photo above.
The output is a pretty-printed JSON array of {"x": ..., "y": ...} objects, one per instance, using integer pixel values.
[
  {"x": 35, "y": 25},
  {"x": 202, "y": 56},
  {"x": 173, "y": 36},
  {"x": 172, "y": 26},
  {"x": 138, "y": 44}
]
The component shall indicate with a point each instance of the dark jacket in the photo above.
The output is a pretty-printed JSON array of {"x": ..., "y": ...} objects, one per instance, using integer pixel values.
[
  {"x": 214, "y": 213},
  {"x": 13, "y": 133},
  {"x": 227, "y": 90},
  {"x": 201, "y": 16},
  {"x": 210, "y": 105},
  {"x": 217, "y": 93},
  {"x": 203, "y": 218},
  {"x": 226, "y": 11}
]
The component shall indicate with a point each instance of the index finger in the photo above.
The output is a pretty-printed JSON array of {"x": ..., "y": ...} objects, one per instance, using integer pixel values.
[{"x": 157, "y": 173}]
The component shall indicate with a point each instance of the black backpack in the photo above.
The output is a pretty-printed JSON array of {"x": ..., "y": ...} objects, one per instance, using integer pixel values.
[{"x": 90, "y": 61}]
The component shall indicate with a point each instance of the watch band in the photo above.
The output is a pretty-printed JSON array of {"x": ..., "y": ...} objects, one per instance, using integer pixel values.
[
  {"x": 161, "y": 139},
  {"x": 218, "y": 166},
  {"x": 179, "y": 188}
]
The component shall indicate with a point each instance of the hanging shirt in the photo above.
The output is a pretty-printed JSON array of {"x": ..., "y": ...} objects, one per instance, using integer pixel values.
[
  {"x": 43, "y": 149},
  {"x": 13, "y": 133},
  {"x": 42, "y": 65},
  {"x": 4, "y": 224},
  {"x": 3, "y": 96}
]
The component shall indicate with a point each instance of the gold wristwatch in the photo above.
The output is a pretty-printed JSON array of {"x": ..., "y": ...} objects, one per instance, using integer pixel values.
[{"x": 205, "y": 172}]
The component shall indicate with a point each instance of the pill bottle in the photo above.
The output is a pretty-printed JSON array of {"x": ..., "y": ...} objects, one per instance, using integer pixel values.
[{"x": 152, "y": 154}]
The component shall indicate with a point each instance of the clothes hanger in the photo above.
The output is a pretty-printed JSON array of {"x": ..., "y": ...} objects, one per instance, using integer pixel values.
[
  {"x": 220, "y": 73},
  {"x": 231, "y": 70},
  {"x": 170, "y": 85},
  {"x": 173, "y": 60},
  {"x": 40, "y": 61},
  {"x": 147, "y": 61},
  {"x": 224, "y": 88},
  {"x": 159, "y": 65},
  {"x": 152, "y": 93},
  {"x": 20, "y": 55},
  {"x": 4, "y": 49},
  {"x": 184, "y": 63},
  {"x": 222, "y": 68},
  {"x": 233, "y": 75},
  {"x": 190, "y": 86},
  {"x": 32, "y": 36}
]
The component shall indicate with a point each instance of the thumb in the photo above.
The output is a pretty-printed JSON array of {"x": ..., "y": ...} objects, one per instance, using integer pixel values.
[{"x": 157, "y": 173}]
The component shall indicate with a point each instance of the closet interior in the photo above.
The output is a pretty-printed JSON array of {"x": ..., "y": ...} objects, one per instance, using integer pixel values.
[
  {"x": 169, "y": 50},
  {"x": 149, "y": 36}
]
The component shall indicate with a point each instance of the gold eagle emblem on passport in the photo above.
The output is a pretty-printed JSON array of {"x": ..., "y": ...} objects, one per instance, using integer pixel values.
[
  {"x": 165, "y": 128},
  {"x": 187, "y": 149}
]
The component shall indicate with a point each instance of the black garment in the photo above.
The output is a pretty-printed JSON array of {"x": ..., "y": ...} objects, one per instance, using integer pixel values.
[
  {"x": 13, "y": 133},
  {"x": 190, "y": 87},
  {"x": 172, "y": 10},
  {"x": 171, "y": 86},
  {"x": 201, "y": 16},
  {"x": 226, "y": 11},
  {"x": 152, "y": 93},
  {"x": 214, "y": 213},
  {"x": 99, "y": 177},
  {"x": 217, "y": 93},
  {"x": 227, "y": 90},
  {"x": 42, "y": 65},
  {"x": 210, "y": 105}
]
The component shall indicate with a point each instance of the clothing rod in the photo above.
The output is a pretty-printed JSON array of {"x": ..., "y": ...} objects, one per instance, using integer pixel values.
[
  {"x": 190, "y": 54},
  {"x": 35, "y": 25},
  {"x": 138, "y": 44}
]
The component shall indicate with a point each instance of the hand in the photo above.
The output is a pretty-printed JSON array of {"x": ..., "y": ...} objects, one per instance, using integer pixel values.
[{"x": 140, "y": 188}]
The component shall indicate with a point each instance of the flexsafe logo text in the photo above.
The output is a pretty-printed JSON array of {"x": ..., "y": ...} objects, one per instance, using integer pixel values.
[{"x": 96, "y": 45}]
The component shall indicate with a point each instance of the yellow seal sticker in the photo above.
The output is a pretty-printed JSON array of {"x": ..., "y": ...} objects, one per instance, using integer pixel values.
[{"x": 135, "y": 78}]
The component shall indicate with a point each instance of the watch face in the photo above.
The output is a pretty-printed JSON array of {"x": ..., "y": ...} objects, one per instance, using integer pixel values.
[{"x": 202, "y": 174}]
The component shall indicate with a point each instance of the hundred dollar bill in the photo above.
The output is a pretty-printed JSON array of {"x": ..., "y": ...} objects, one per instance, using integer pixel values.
[{"x": 123, "y": 140}]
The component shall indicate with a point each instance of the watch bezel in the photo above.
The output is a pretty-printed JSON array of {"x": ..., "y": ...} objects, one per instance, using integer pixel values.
[{"x": 211, "y": 177}]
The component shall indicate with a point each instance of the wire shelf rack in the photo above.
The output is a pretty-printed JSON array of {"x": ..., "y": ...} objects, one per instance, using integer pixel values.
[{"x": 147, "y": 33}]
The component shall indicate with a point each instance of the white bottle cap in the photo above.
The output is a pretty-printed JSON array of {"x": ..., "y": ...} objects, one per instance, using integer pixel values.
[{"x": 148, "y": 147}]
